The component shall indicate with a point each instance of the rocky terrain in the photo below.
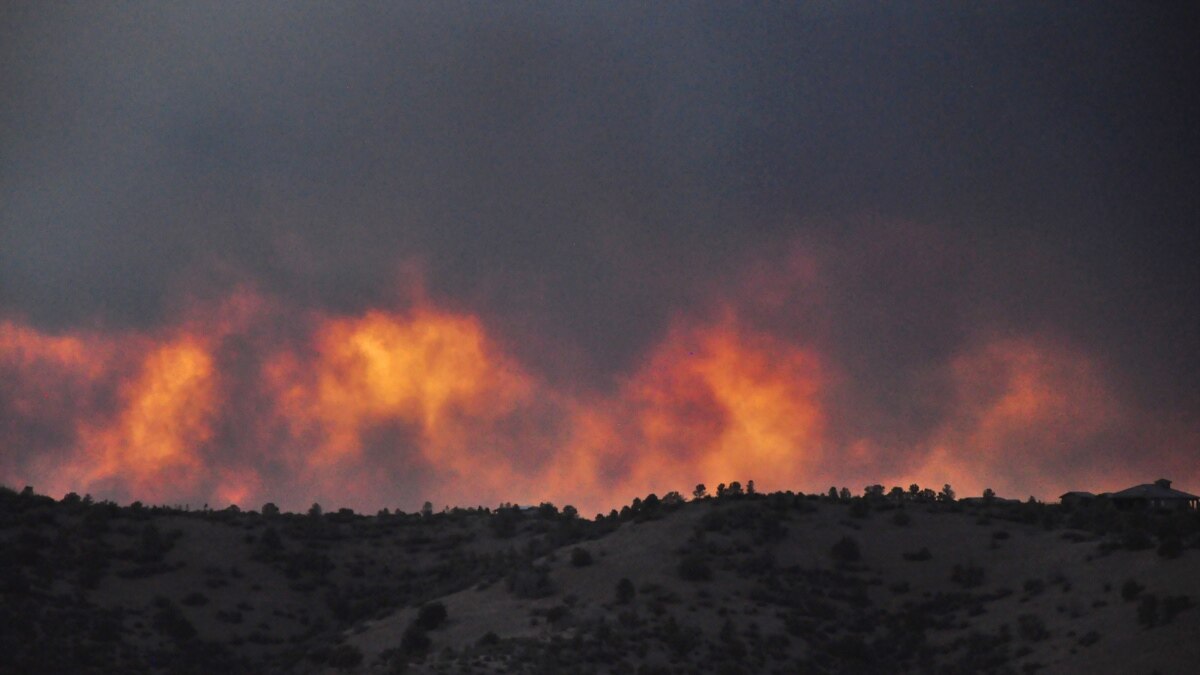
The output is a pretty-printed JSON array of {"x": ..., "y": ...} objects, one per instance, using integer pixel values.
[{"x": 741, "y": 583}]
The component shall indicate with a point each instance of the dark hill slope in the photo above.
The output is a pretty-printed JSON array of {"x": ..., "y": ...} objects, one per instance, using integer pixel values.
[
  {"x": 786, "y": 585},
  {"x": 762, "y": 583}
]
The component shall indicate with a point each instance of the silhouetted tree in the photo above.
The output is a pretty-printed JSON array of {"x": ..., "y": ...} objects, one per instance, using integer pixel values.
[
  {"x": 700, "y": 492},
  {"x": 570, "y": 512},
  {"x": 947, "y": 493},
  {"x": 720, "y": 490},
  {"x": 844, "y": 494},
  {"x": 914, "y": 490},
  {"x": 651, "y": 504},
  {"x": 270, "y": 510},
  {"x": 672, "y": 499},
  {"x": 896, "y": 494},
  {"x": 427, "y": 509},
  {"x": 989, "y": 495},
  {"x": 315, "y": 510},
  {"x": 735, "y": 489},
  {"x": 833, "y": 493},
  {"x": 873, "y": 492},
  {"x": 749, "y": 487}
]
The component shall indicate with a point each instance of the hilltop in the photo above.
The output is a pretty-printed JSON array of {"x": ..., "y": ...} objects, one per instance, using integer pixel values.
[{"x": 743, "y": 583}]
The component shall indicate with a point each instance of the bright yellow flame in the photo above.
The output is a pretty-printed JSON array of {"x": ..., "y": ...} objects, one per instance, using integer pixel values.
[{"x": 166, "y": 415}]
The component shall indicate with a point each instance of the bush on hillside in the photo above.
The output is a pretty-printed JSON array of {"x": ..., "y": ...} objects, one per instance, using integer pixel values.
[
  {"x": 694, "y": 568},
  {"x": 345, "y": 657},
  {"x": 1130, "y": 590},
  {"x": 846, "y": 551},
  {"x": 625, "y": 591},
  {"x": 580, "y": 557},
  {"x": 1170, "y": 547},
  {"x": 969, "y": 575},
  {"x": 431, "y": 616},
  {"x": 918, "y": 556},
  {"x": 415, "y": 642}
]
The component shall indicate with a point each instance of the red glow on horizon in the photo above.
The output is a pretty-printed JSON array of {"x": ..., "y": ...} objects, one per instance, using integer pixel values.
[{"x": 356, "y": 405}]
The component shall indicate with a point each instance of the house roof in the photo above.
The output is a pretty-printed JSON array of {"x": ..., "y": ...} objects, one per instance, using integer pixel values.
[
  {"x": 984, "y": 500},
  {"x": 1076, "y": 493},
  {"x": 1152, "y": 491}
]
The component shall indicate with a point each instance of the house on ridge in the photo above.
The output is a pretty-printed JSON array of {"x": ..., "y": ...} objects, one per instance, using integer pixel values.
[
  {"x": 1077, "y": 498},
  {"x": 1157, "y": 495}
]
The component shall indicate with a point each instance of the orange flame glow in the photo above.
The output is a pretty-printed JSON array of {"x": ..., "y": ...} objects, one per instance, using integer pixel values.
[
  {"x": 166, "y": 416},
  {"x": 1021, "y": 407},
  {"x": 393, "y": 406}
]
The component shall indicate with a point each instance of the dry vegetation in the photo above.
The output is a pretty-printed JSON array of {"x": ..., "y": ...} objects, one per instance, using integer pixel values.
[{"x": 743, "y": 583}]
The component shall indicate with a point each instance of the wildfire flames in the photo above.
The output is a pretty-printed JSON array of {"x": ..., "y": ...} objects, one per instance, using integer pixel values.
[{"x": 389, "y": 408}]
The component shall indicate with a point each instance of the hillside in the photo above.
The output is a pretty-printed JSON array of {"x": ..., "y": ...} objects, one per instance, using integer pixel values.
[{"x": 748, "y": 583}]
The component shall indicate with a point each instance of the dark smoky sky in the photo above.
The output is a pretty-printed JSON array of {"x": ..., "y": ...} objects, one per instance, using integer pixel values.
[{"x": 578, "y": 173}]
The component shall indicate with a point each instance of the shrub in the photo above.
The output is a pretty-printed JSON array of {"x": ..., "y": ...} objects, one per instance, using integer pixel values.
[
  {"x": 918, "y": 556},
  {"x": 1130, "y": 590},
  {"x": 415, "y": 641},
  {"x": 270, "y": 541},
  {"x": 195, "y": 599},
  {"x": 231, "y": 616},
  {"x": 969, "y": 575},
  {"x": 846, "y": 550},
  {"x": 1174, "y": 604},
  {"x": 530, "y": 582},
  {"x": 1147, "y": 612},
  {"x": 1034, "y": 586},
  {"x": 1170, "y": 547},
  {"x": 170, "y": 621},
  {"x": 345, "y": 656},
  {"x": 580, "y": 557},
  {"x": 1032, "y": 628},
  {"x": 431, "y": 616},
  {"x": 557, "y": 613},
  {"x": 625, "y": 591},
  {"x": 1136, "y": 540},
  {"x": 694, "y": 568}
]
